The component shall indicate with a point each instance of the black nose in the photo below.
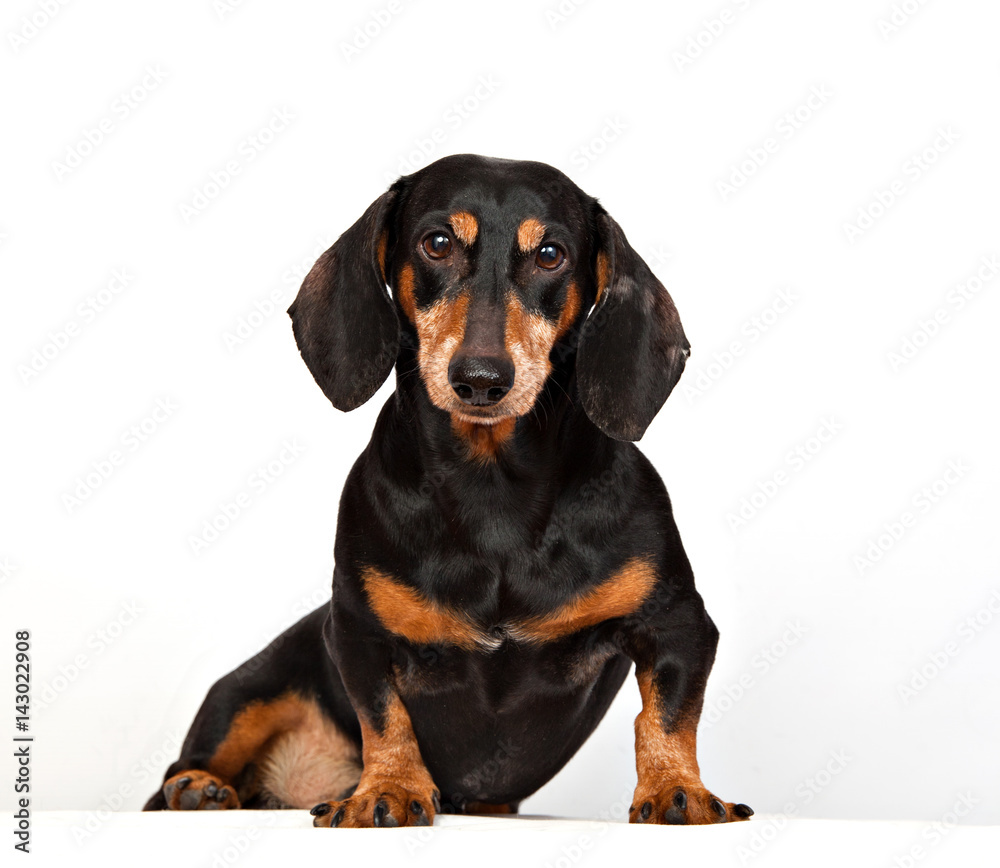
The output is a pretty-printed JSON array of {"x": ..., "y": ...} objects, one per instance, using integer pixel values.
[{"x": 481, "y": 380}]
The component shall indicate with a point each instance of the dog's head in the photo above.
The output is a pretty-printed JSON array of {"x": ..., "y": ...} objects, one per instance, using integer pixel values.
[{"x": 499, "y": 269}]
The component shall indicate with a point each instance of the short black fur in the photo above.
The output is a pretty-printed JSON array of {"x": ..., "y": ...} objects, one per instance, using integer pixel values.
[{"x": 564, "y": 505}]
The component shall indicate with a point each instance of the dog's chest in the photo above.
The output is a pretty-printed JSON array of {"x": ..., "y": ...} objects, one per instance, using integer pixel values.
[{"x": 490, "y": 609}]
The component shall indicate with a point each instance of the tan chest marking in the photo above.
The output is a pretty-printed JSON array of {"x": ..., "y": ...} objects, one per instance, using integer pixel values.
[
  {"x": 409, "y": 614},
  {"x": 620, "y": 595},
  {"x": 406, "y": 613}
]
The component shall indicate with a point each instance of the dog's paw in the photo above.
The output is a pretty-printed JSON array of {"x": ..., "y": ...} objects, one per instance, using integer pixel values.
[
  {"x": 684, "y": 806},
  {"x": 380, "y": 803},
  {"x": 198, "y": 791}
]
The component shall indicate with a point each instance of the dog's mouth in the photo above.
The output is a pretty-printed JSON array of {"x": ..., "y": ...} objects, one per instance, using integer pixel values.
[{"x": 481, "y": 416}]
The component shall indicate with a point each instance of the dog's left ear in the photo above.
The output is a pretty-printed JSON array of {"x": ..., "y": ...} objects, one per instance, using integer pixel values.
[
  {"x": 343, "y": 320},
  {"x": 633, "y": 349}
]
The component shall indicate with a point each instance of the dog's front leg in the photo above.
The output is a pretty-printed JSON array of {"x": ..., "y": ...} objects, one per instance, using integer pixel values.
[
  {"x": 395, "y": 787},
  {"x": 674, "y": 648}
]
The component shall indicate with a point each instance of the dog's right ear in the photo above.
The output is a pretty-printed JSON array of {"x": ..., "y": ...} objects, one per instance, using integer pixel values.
[{"x": 344, "y": 322}]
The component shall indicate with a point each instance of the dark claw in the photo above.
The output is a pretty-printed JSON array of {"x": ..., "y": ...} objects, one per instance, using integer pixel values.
[
  {"x": 646, "y": 810},
  {"x": 416, "y": 808},
  {"x": 222, "y": 795},
  {"x": 382, "y": 816},
  {"x": 718, "y": 807},
  {"x": 743, "y": 810},
  {"x": 183, "y": 782},
  {"x": 680, "y": 800},
  {"x": 211, "y": 789},
  {"x": 674, "y": 817},
  {"x": 337, "y": 818},
  {"x": 321, "y": 810},
  {"x": 436, "y": 801}
]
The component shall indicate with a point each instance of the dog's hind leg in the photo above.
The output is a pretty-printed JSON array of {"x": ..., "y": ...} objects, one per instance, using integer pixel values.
[{"x": 266, "y": 734}]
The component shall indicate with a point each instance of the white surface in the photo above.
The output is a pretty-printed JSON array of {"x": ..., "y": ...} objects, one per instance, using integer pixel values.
[
  {"x": 278, "y": 837},
  {"x": 819, "y": 725}
]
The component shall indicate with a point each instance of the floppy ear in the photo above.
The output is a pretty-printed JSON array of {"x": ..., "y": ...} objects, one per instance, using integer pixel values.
[
  {"x": 633, "y": 349},
  {"x": 342, "y": 318}
]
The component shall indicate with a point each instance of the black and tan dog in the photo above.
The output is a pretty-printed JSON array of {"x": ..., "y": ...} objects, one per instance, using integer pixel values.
[{"x": 503, "y": 554}]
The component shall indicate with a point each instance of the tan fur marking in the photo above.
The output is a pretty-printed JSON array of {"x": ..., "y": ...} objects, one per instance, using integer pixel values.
[
  {"x": 314, "y": 762},
  {"x": 198, "y": 782},
  {"x": 528, "y": 338},
  {"x": 251, "y": 731},
  {"x": 666, "y": 762},
  {"x": 440, "y": 329},
  {"x": 484, "y": 442},
  {"x": 466, "y": 227},
  {"x": 407, "y": 299},
  {"x": 603, "y": 274},
  {"x": 383, "y": 240},
  {"x": 394, "y": 752},
  {"x": 530, "y": 234},
  {"x": 661, "y": 755},
  {"x": 394, "y": 775},
  {"x": 570, "y": 309},
  {"x": 406, "y": 613},
  {"x": 621, "y": 594}
]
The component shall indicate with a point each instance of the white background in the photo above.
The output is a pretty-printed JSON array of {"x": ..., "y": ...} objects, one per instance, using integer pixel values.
[{"x": 130, "y": 626}]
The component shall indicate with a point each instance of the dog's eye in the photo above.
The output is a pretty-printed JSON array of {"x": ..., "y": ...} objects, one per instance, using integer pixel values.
[
  {"x": 549, "y": 256},
  {"x": 437, "y": 245}
]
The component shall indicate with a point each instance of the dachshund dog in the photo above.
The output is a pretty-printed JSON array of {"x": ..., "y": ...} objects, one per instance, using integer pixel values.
[{"x": 503, "y": 552}]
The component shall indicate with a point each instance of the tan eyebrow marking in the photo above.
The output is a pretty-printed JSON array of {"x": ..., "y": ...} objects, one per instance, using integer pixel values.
[
  {"x": 530, "y": 234},
  {"x": 466, "y": 227}
]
